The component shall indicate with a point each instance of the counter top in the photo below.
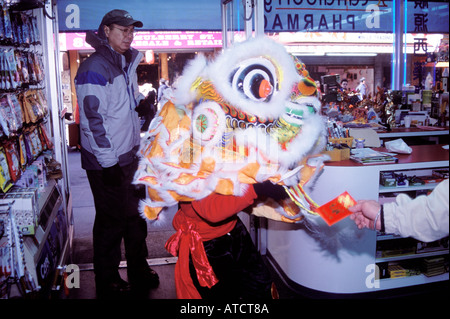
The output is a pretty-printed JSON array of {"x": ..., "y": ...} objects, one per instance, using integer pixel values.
[
  {"x": 414, "y": 131},
  {"x": 420, "y": 153}
]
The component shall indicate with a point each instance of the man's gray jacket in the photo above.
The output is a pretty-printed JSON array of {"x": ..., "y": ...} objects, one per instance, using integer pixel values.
[{"x": 107, "y": 93}]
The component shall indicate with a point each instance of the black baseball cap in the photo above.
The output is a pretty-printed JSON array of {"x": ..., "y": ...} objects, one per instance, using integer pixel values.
[{"x": 120, "y": 17}]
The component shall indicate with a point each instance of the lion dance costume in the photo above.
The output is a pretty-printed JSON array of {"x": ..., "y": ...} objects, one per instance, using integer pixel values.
[{"x": 248, "y": 116}]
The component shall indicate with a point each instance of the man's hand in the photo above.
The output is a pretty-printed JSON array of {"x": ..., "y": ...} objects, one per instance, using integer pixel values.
[{"x": 364, "y": 214}]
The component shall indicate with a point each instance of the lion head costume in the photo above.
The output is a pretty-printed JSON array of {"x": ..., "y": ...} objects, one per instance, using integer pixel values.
[{"x": 249, "y": 115}]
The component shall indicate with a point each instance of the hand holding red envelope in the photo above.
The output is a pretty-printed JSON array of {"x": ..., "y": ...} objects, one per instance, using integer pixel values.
[{"x": 336, "y": 209}]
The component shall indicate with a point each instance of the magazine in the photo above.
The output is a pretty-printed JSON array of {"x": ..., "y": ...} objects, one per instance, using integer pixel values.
[{"x": 369, "y": 156}]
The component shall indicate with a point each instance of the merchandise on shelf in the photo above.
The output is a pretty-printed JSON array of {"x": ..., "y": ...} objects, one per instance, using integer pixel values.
[
  {"x": 17, "y": 154},
  {"x": 398, "y": 179},
  {"x": 27, "y": 264},
  {"x": 441, "y": 173},
  {"x": 434, "y": 266}
]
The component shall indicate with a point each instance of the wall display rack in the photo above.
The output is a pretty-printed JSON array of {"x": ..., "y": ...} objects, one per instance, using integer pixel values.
[{"x": 36, "y": 219}]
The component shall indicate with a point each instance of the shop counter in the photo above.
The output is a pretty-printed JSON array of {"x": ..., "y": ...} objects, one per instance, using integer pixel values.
[
  {"x": 432, "y": 133},
  {"x": 343, "y": 261}
]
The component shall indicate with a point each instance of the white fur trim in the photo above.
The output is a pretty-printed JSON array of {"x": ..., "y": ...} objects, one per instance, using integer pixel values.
[
  {"x": 194, "y": 69},
  {"x": 220, "y": 70}
]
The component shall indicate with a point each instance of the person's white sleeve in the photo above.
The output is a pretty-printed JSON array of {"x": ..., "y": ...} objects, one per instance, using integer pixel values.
[{"x": 425, "y": 218}]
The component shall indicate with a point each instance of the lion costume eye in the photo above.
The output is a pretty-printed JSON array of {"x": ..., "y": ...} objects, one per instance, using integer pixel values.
[
  {"x": 255, "y": 79},
  {"x": 208, "y": 123}
]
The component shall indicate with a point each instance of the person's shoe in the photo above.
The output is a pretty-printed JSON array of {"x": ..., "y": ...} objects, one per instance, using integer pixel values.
[
  {"x": 152, "y": 278},
  {"x": 144, "y": 280},
  {"x": 117, "y": 288}
]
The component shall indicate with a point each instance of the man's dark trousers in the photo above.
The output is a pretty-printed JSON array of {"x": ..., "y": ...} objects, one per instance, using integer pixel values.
[{"x": 117, "y": 217}]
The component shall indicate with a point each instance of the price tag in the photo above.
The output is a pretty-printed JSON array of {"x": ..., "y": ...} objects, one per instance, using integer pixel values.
[{"x": 336, "y": 209}]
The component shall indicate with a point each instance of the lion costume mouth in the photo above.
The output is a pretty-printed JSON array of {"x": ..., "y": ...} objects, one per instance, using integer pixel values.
[
  {"x": 239, "y": 120},
  {"x": 292, "y": 120}
]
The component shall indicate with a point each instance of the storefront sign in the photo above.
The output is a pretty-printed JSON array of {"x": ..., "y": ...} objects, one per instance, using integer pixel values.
[
  {"x": 279, "y": 15},
  {"x": 321, "y": 43},
  {"x": 148, "y": 40},
  {"x": 83, "y": 15},
  {"x": 352, "y": 16},
  {"x": 296, "y": 42}
]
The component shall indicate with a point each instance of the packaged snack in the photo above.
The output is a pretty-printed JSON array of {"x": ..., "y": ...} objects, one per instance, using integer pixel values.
[
  {"x": 37, "y": 107},
  {"x": 42, "y": 100},
  {"x": 12, "y": 158},
  {"x": 16, "y": 28},
  {"x": 2, "y": 79},
  {"x": 5, "y": 178},
  {"x": 33, "y": 145},
  {"x": 25, "y": 116},
  {"x": 16, "y": 110},
  {"x": 28, "y": 147},
  {"x": 10, "y": 123},
  {"x": 44, "y": 137},
  {"x": 22, "y": 151},
  {"x": 5, "y": 83},
  {"x": 7, "y": 25},
  {"x": 27, "y": 107},
  {"x": 2, "y": 29},
  {"x": 5, "y": 115},
  {"x": 22, "y": 67},
  {"x": 31, "y": 68},
  {"x": 35, "y": 34},
  {"x": 25, "y": 28},
  {"x": 11, "y": 66},
  {"x": 37, "y": 145}
]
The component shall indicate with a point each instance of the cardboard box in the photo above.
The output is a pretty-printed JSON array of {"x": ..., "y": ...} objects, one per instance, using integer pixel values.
[
  {"x": 346, "y": 140},
  {"x": 338, "y": 154},
  {"x": 24, "y": 210},
  {"x": 41, "y": 171},
  {"x": 25, "y": 190},
  {"x": 388, "y": 179},
  {"x": 29, "y": 178}
]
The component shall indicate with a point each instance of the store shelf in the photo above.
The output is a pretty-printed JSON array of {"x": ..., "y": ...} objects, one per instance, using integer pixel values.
[
  {"x": 392, "y": 283},
  {"x": 412, "y": 256},
  {"x": 396, "y": 189},
  {"x": 48, "y": 244},
  {"x": 49, "y": 202},
  {"x": 412, "y": 132},
  {"x": 387, "y": 236},
  {"x": 42, "y": 263}
]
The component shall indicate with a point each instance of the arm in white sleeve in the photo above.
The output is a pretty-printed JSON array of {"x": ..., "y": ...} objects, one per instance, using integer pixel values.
[{"x": 425, "y": 218}]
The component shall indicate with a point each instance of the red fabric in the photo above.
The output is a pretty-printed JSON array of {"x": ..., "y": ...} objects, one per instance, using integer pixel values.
[{"x": 199, "y": 221}]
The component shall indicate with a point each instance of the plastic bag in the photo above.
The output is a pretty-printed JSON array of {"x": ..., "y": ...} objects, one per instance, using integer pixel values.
[{"x": 398, "y": 146}]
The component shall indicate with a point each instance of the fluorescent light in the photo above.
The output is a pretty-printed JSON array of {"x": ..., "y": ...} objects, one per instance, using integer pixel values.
[
  {"x": 308, "y": 53},
  {"x": 442, "y": 64},
  {"x": 350, "y": 54}
]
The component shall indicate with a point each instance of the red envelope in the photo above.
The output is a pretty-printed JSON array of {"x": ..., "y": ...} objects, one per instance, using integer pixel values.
[{"x": 337, "y": 209}]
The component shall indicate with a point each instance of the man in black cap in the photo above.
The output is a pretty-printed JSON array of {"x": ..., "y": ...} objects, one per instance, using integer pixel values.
[{"x": 107, "y": 93}]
